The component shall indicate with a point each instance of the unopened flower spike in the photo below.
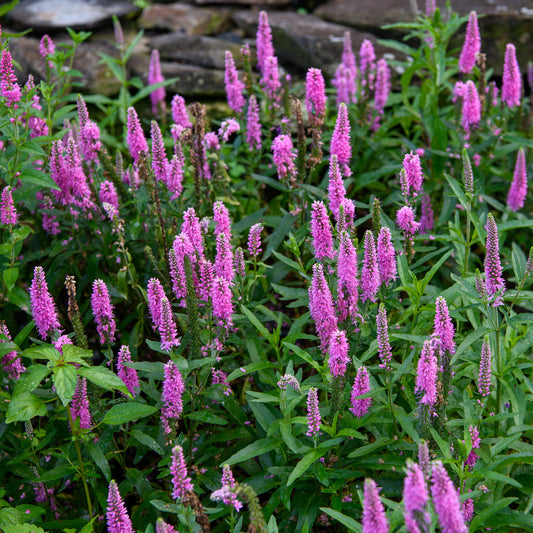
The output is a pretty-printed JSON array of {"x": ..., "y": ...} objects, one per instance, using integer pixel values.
[
  {"x": 361, "y": 385},
  {"x": 118, "y": 520},
  {"x": 313, "y": 413}
]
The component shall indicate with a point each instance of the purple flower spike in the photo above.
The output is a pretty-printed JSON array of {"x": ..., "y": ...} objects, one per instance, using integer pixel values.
[
  {"x": 126, "y": 374},
  {"x": 180, "y": 479},
  {"x": 234, "y": 86},
  {"x": 42, "y": 305},
  {"x": 264, "y": 46},
  {"x": 471, "y": 109},
  {"x": 283, "y": 156},
  {"x": 405, "y": 218},
  {"x": 367, "y": 66},
  {"x": 340, "y": 140},
  {"x": 426, "y": 374},
  {"x": 118, "y": 520},
  {"x": 179, "y": 112},
  {"x": 415, "y": 491},
  {"x": 103, "y": 312},
  {"x": 361, "y": 385},
  {"x": 221, "y": 297},
  {"x": 8, "y": 213},
  {"x": 413, "y": 173},
  {"x": 167, "y": 327},
  {"x": 9, "y": 87},
  {"x": 518, "y": 190},
  {"x": 79, "y": 405},
  {"x": 471, "y": 46},
  {"x": 374, "y": 518},
  {"x": 383, "y": 88},
  {"x": 157, "y": 96},
  {"x": 160, "y": 164},
  {"x": 135, "y": 137},
  {"x": 427, "y": 221},
  {"x": 512, "y": 78},
  {"x": 313, "y": 413},
  {"x": 321, "y": 306},
  {"x": 386, "y": 256},
  {"x": 315, "y": 97},
  {"x": 443, "y": 330},
  {"x": 229, "y": 481},
  {"x": 370, "y": 280},
  {"x": 321, "y": 232},
  {"x": 338, "y": 353},
  {"x": 345, "y": 80},
  {"x": 384, "y": 347},
  {"x": 11, "y": 364},
  {"x": 494, "y": 283},
  {"x": 347, "y": 284},
  {"x": 108, "y": 194},
  {"x": 446, "y": 501},
  {"x": 336, "y": 190},
  {"x": 173, "y": 388},
  {"x": 253, "y": 125},
  {"x": 485, "y": 370},
  {"x": 222, "y": 219},
  {"x": 254, "y": 240}
]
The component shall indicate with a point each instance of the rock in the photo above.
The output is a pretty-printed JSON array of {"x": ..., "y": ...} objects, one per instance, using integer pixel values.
[
  {"x": 97, "y": 78},
  {"x": 305, "y": 40},
  {"x": 76, "y": 14},
  {"x": 194, "y": 49},
  {"x": 185, "y": 18},
  {"x": 262, "y": 3}
]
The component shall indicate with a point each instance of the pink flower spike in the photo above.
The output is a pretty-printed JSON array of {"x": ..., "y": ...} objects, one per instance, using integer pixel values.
[
  {"x": 234, "y": 86},
  {"x": 155, "y": 295},
  {"x": 427, "y": 221},
  {"x": 336, "y": 189},
  {"x": 321, "y": 306},
  {"x": 254, "y": 240},
  {"x": 512, "y": 78},
  {"x": 494, "y": 282},
  {"x": 127, "y": 374},
  {"x": 338, "y": 353},
  {"x": 443, "y": 330},
  {"x": 426, "y": 374},
  {"x": 471, "y": 110},
  {"x": 135, "y": 136},
  {"x": 413, "y": 173},
  {"x": 8, "y": 213},
  {"x": 347, "y": 276},
  {"x": 315, "y": 97},
  {"x": 472, "y": 45},
  {"x": 11, "y": 363},
  {"x": 340, "y": 140},
  {"x": 157, "y": 96},
  {"x": 221, "y": 297},
  {"x": 103, "y": 312},
  {"x": 370, "y": 280},
  {"x": 283, "y": 156},
  {"x": 264, "y": 45},
  {"x": 175, "y": 173},
  {"x": 180, "y": 478},
  {"x": 367, "y": 66},
  {"x": 313, "y": 413},
  {"x": 361, "y": 385},
  {"x": 179, "y": 112},
  {"x": 167, "y": 327},
  {"x": 79, "y": 405},
  {"x": 384, "y": 347},
  {"x": 108, "y": 194},
  {"x": 386, "y": 256},
  {"x": 42, "y": 305},
  {"x": 9, "y": 86},
  {"x": 383, "y": 88},
  {"x": 160, "y": 164},
  {"x": 270, "y": 79},
  {"x": 118, "y": 520},
  {"x": 321, "y": 232},
  {"x": 253, "y": 125},
  {"x": 405, "y": 218},
  {"x": 229, "y": 481},
  {"x": 485, "y": 370},
  {"x": 173, "y": 389},
  {"x": 47, "y": 48},
  {"x": 415, "y": 491},
  {"x": 518, "y": 190},
  {"x": 374, "y": 518}
]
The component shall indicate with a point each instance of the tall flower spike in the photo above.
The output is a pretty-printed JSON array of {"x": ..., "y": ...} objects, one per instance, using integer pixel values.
[
  {"x": 222, "y": 219},
  {"x": 494, "y": 283},
  {"x": 315, "y": 97},
  {"x": 367, "y": 66},
  {"x": 8, "y": 213},
  {"x": 485, "y": 370},
  {"x": 426, "y": 374},
  {"x": 264, "y": 45},
  {"x": 229, "y": 481},
  {"x": 46, "y": 48},
  {"x": 476, "y": 441},
  {"x": 471, "y": 109},
  {"x": 384, "y": 347},
  {"x": 254, "y": 240},
  {"x": 175, "y": 172},
  {"x": 179, "y": 112},
  {"x": 383, "y": 87},
  {"x": 370, "y": 280},
  {"x": 118, "y": 520},
  {"x": 283, "y": 156},
  {"x": 108, "y": 194},
  {"x": 472, "y": 45},
  {"x": 313, "y": 413},
  {"x": 518, "y": 190},
  {"x": 321, "y": 306},
  {"x": 361, "y": 385},
  {"x": 405, "y": 218},
  {"x": 127, "y": 374},
  {"x": 270, "y": 79},
  {"x": 167, "y": 327},
  {"x": 253, "y": 126},
  {"x": 180, "y": 478},
  {"x": 386, "y": 256},
  {"x": 173, "y": 389},
  {"x": 446, "y": 501},
  {"x": 321, "y": 232},
  {"x": 512, "y": 78},
  {"x": 443, "y": 329},
  {"x": 9, "y": 87},
  {"x": 427, "y": 219},
  {"x": 347, "y": 282},
  {"x": 415, "y": 491},
  {"x": 79, "y": 405},
  {"x": 157, "y": 96},
  {"x": 345, "y": 80},
  {"x": 413, "y": 172},
  {"x": 374, "y": 518},
  {"x": 234, "y": 86},
  {"x": 423, "y": 458},
  {"x": 160, "y": 162},
  {"x": 155, "y": 295},
  {"x": 11, "y": 364},
  {"x": 338, "y": 353},
  {"x": 103, "y": 312},
  {"x": 224, "y": 258},
  {"x": 340, "y": 140},
  {"x": 89, "y": 135},
  {"x": 42, "y": 305},
  {"x": 336, "y": 190},
  {"x": 135, "y": 136},
  {"x": 222, "y": 305}
]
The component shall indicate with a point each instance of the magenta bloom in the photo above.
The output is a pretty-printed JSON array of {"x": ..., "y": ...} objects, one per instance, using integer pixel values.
[
  {"x": 370, "y": 280},
  {"x": 46, "y": 48},
  {"x": 118, "y": 520},
  {"x": 426, "y": 217},
  {"x": 345, "y": 80},
  {"x": 103, "y": 312},
  {"x": 126, "y": 374},
  {"x": 471, "y": 107},
  {"x": 155, "y": 294},
  {"x": 175, "y": 172},
  {"x": 180, "y": 479},
  {"x": 222, "y": 219},
  {"x": 340, "y": 140},
  {"x": 162, "y": 527},
  {"x": 239, "y": 264},
  {"x": 361, "y": 385},
  {"x": 179, "y": 112},
  {"x": 224, "y": 258},
  {"x": 415, "y": 491},
  {"x": 79, "y": 405},
  {"x": 229, "y": 481},
  {"x": 518, "y": 190},
  {"x": 283, "y": 156},
  {"x": 321, "y": 306},
  {"x": 8, "y": 213},
  {"x": 313, "y": 413},
  {"x": 383, "y": 87},
  {"x": 386, "y": 256},
  {"x": 173, "y": 389},
  {"x": 135, "y": 136},
  {"x": 191, "y": 226},
  {"x": 374, "y": 518},
  {"x": 336, "y": 190},
  {"x": 264, "y": 45},
  {"x": 512, "y": 78},
  {"x": 270, "y": 79},
  {"x": 221, "y": 297},
  {"x": 228, "y": 128},
  {"x": 426, "y": 374},
  {"x": 446, "y": 501},
  {"x": 234, "y": 86},
  {"x": 471, "y": 46},
  {"x": 254, "y": 240},
  {"x": 315, "y": 97},
  {"x": 384, "y": 347},
  {"x": 159, "y": 157},
  {"x": 405, "y": 218},
  {"x": 347, "y": 285},
  {"x": 108, "y": 194},
  {"x": 367, "y": 66},
  {"x": 413, "y": 173},
  {"x": 167, "y": 327},
  {"x": 157, "y": 96},
  {"x": 443, "y": 330},
  {"x": 321, "y": 232},
  {"x": 485, "y": 370},
  {"x": 181, "y": 248},
  {"x": 9, "y": 87},
  {"x": 338, "y": 353},
  {"x": 42, "y": 305},
  {"x": 11, "y": 364},
  {"x": 476, "y": 441},
  {"x": 253, "y": 126},
  {"x": 89, "y": 135},
  {"x": 494, "y": 283}
]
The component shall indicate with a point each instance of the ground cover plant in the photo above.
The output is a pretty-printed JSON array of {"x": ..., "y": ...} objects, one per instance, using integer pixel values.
[{"x": 313, "y": 315}]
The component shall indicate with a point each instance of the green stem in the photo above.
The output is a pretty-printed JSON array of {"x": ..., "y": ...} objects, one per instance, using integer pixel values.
[
  {"x": 467, "y": 240},
  {"x": 499, "y": 378}
]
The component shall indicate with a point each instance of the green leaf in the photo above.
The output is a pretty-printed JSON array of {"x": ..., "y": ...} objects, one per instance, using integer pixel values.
[
  {"x": 58, "y": 472},
  {"x": 7, "y": 347},
  {"x": 369, "y": 448},
  {"x": 75, "y": 354},
  {"x": 207, "y": 417},
  {"x": 38, "y": 177},
  {"x": 24, "y": 407},
  {"x": 480, "y": 519},
  {"x": 255, "y": 321},
  {"x": 167, "y": 507},
  {"x": 104, "y": 378},
  {"x": 10, "y": 277},
  {"x": 6, "y": 8},
  {"x": 145, "y": 439},
  {"x": 65, "y": 379},
  {"x": 346, "y": 521},
  {"x": 127, "y": 412},
  {"x": 304, "y": 463},
  {"x": 303, "y": 354},
  {"x": 100, "y": 460},
  {"x": 31, "y": 379},
  {"x": 252, "y": 450}
]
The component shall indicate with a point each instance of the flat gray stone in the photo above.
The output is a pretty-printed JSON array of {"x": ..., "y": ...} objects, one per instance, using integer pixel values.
[
  {"x": 76, "y": 14},
  {"x": 185, "y": 18},
  {"x": 197, "y": 50},
  {"x": 262, "y": 3}
]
